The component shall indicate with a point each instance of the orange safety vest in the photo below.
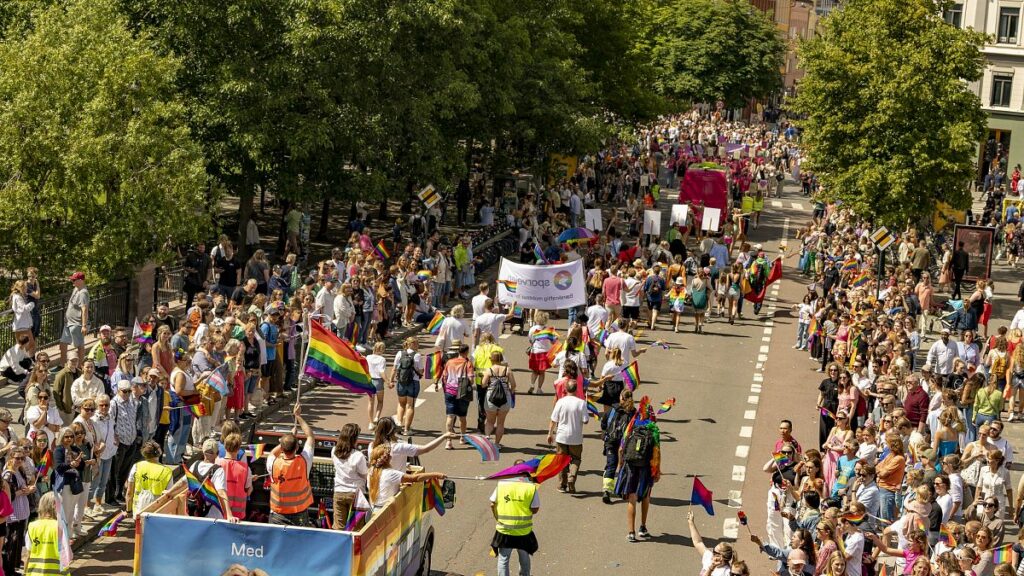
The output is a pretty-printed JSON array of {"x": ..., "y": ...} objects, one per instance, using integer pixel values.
[
  {"x": 235, "y": 473},
  {"x": 289, "y": 486}
]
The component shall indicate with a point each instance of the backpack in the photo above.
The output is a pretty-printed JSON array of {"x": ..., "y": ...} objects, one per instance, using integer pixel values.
[
  {"x": 406, "y": 369},
  {"x": 197, "y": 504},
  {"x": 496, "y": 393},
  {"x": 614, "y": 425},
  {"x": 639, "y": 447}
]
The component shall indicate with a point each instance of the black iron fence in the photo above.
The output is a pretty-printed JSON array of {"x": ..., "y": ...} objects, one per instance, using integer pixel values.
[
  {"x": 168, "y": 284},
  {"x": 108, "y": 304}
]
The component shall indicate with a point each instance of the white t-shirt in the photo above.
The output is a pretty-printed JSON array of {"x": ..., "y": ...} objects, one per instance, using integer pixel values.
[
  {"x": 571, "y": 414},
  {"x": 389, "y": 486},
  {"x": 596, "y": 316},
  {"x": 452, "y": 329},
  {"x": 400, "y": 454},
  {"x": 478, "y": 302},
  {"x": 376, "y": 363},
  {"x": 631, "y": 296},
  {"x": 624, "y": 342},
  {"x": 220, "y": 483},
  {"x": 705, "y": 564},
  {"x": 490, "y": 323},
  {"x": 539, "y": 345},
  {"x": 52, "y": 417},
  {"x": 418, "y": 362},
  {"x": 854, "y": 549},
  {"x": 350, "y": 473},
  {"x": 610, "y": 367}
]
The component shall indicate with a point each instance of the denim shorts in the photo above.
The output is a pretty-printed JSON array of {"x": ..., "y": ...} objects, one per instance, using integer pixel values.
[
  {"x": 455, "y": 407},
  {"x": 410, "y": 390}
]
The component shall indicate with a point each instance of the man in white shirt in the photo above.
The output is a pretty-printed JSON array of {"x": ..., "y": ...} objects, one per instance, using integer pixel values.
[
  {"x": 88, "y": 385},
  {"x": 324, "y": 304},
  {"x": 597, "y": 315},
  {"x": 625, "y": 342},
  {"x": 942, "y": 353},
  {"x": 566, "y": 432},
  {"x": 219, "y": 478},
  {"x": 480, "y": 300},
  {"x": 489, "y": 322},
  {"x": 1018, "y": 318}
]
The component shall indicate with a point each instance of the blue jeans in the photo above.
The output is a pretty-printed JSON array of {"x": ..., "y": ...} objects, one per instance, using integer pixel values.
[
  {"x": 505, "y": 554},
  {"x": 177, "y": 441},
  {"x": 971, "y": 432},
  {"x": 980, "y": 419},
  {"x": 888, "y": 504},
  {"x": 99, "y": 481},
  {"x": 801, "y": 334},
  {"x": 250, "y": 384}
]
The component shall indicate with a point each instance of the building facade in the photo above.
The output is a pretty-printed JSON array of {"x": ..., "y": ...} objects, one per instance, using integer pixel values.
[{"x": 1001, "y": 88}]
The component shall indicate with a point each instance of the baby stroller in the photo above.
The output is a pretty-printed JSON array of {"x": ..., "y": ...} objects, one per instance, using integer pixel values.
[{"x": 952, "y": 315}]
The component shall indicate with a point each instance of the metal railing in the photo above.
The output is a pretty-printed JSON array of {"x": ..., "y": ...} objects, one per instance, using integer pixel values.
[
  {"x": 108, "y": 304},
  {"x": 169, "y": 284}
]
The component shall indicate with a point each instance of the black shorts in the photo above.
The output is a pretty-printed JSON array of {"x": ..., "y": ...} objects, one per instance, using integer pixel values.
[
  {"x": 631, "y": 312},
  {"x": 265, "y": 369}
]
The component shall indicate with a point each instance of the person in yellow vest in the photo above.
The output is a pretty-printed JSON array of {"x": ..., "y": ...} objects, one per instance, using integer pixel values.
[
  {"x": 41, "y": 540},
  {"x": 290, "y": 493},
  {"x": 147, "y": 479},
  {"x": 514, "y": 502}
]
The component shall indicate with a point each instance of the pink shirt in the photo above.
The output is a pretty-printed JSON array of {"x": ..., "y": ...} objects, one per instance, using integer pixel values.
[{"x": 612, "y": 289}]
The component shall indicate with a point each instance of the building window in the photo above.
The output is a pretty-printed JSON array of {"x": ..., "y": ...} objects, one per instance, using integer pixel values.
[
  {"x": 1009, "y": 21},
  {"x": 954, "y": 15},
  {"x": 1001, "y": 86}
]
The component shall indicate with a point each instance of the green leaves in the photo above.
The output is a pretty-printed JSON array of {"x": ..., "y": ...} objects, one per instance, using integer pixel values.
[
  {"x": 709, "y": 50},
  {"x": 891, "y": 126},
  {"x": 97, "y": 166}
]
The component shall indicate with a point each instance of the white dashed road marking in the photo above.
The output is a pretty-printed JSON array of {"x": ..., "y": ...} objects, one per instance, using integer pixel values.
[
  {"x": 746, "y": 431},
  {"x": 742, "y": 451},
  {"x": 776, "y": 204},
  {"x": 750, "y": 415},
  {"x": 739, "y": 473},
  {"x": 797, "y": 205}
]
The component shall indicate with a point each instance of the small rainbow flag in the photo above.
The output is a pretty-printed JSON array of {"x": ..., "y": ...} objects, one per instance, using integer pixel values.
[
  {"x": 255, "y": 451},
  {"x": 510, "y": 285},
  {"x": 381, "y": 250},
  {"x": 592, "y": 408},
  {"x": 855, "y": 518},
  {"x": 352, "y": 332},
  {"x": 631, "y": 376},
  {"x": 45, "y": 466},
  {"x": 198, "y": 410},
  {"x": 553, "y": 352},
  {"x": 489, "y": 451},
  {"x": 110, "y": 528},
  {"x": 432, "y": 367},
  {"x": 826, "y": 412},
  {"x": 547, "y": 333},
  {"x": 323, "y": 519},
  {"x": 206, "y": 488},
  {"x": 541, "y": 468},
  {"x": 433, "y": 497},
  {"x": 143, "y": 333},
  {"x": 947, "y": 536},
  {"x": 1001, "y": 555},
  {"x": 584, "y": 338},
  {"x": 434, "y": 326},
  {"x": 354, "y": 520},
  {"x": 666, "y": 406},
  {"x": 814, "y": 327},
  {"x": 781, "y": 459},
  {"x": 539, "y": 255},
  {"x": 861, "y": 280},
  {"x": 424, "y": 275},
  {"x": 601, "y": 334},
  {"x": 850, "y": 265}
]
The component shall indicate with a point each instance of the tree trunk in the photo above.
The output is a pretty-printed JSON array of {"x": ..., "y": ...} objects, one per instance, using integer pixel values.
[
  {"x": 325, "y": 213},
  {"x": 282, "y": 229}
]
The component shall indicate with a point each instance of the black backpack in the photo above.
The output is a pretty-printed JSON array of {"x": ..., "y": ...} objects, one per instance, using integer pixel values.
[
  {"x": 639, "y": 447},
  {"x": 614, "y": 425},
  {"x": 197, "y": 504},
  {"x": 406, "y": 368}
]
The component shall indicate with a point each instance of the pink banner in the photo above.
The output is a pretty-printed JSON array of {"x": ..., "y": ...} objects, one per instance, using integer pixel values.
[{"x": 706, "y": 186}]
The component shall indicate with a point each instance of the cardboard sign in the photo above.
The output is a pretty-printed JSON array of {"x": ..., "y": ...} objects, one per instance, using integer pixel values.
[
  {"x": 652, "y": 222},
  {"x": 592, "y": 219},
  {"x": 710, "y": 219},
  {"x": 644, "y": 180},
  {"x": 678, "y": 214}
]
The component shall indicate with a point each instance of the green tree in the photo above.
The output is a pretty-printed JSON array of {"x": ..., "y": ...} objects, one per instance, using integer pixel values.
[
  {"x": 98, "y": 169},
  {"x": 710, "y": 50},
  {"x": 891, "y": 125}
]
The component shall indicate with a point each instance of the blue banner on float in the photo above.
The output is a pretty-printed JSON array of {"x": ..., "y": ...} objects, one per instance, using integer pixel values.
[{"x": 177, "y": 546}]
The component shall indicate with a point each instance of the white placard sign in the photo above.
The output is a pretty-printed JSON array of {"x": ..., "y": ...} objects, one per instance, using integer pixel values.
[
  {"x": 710, "y": 219},
  {"x": 644, "y": 180},
  {"x": 552, "y": 287},
  {"x": 652, "y": 222},
  {"x": 678, "y": 214},
  {"x": 592, "y": 219}
]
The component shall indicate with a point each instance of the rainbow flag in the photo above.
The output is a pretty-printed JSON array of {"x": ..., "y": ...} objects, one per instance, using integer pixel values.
[
  {"x": 354, "y": 520},
  {"x": 826, "y": 412},
  {"x": 45, "y": 466},
  {"x": 861, "y": 280},
  {"x": 424, "y": 275},
  {"x": 631, "y": 376},
  {"x": 432, "y": 367},
  {"x": 489, "y": 451},
  {"x": 352, "y": 332},
  {"x": 110, "y": 528},
  {"x": 641, "y": 410},
  {"x": 541, "y": 468},
  {"x": 255, "y": 451},
  {"x": 333, "y": 360},
  {"x": 323, "y": 519},
  {"x": 539, "y": 255},
  {"x": 143, "y": 333},
  {"x": 584, "y": 338},
  {"x": 206, "y": 489},
  {"x": 433, "y": 497},
  {"x": 601, "y": 334},
  {"x": 781, "y": 459},
  {"x": 1001, "y": 555},
  {"x": 381, "y": 250},
  {"x": 850, "y": 265},
  {"x": 855, "y": 518},
  {"x": 510, "y": 285},
  {"x": 666, "y": 406},
  {"x": 198, "y": 410},
  {"x": 434, "y": 326},
  {"x": 553, "y": 352},
  {"x": 592, "y": 408},
  {"x": 947, "y": 536},
  {"x": 814, "y": 327},
  {"x": 547, "y": 333},
  {"x": 701, "y": 496}
]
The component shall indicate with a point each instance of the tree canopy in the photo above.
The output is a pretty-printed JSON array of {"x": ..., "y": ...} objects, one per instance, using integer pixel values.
[{"x": 891, "y": 125}]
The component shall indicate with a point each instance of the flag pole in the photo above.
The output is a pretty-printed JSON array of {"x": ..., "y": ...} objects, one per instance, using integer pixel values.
[{"x": 302, "y": 368}]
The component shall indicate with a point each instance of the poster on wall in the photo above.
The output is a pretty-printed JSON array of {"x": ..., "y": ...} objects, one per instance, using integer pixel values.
[
  {"x": 204, "y": 547},
  {"x": 978, "y": 245},
  {"x": 552, "y": 287}
]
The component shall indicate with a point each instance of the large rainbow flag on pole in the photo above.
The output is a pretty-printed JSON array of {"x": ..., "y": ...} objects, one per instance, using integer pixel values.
[{"x": 333, "y": 360}]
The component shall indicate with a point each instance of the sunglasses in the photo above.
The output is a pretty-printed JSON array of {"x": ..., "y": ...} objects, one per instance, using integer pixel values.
[
  {"x": 104, "y": 405},
  {"x": 88, "y": 409},
  {"x": 787, "y": 451},
  {"x": 43, "y": 397}
]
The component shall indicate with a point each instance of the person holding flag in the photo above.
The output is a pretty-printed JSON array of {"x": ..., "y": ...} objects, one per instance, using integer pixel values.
[
  {"x": 639, "y": 468},
  {"x": 514, "y": 503},
  {"x": 714, "y": 562},
  {"x": 290, "y": 492}
]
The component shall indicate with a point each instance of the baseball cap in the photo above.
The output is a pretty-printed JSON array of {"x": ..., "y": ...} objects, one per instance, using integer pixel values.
[
  {"x": 105, "y": 328},
  {"x": 77, "y": 276},
  {"x": 945, "y": 331},
  {"x": 124, "y": 385}
]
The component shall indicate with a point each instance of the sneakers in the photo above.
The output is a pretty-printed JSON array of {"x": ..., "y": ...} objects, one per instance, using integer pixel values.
[
  {"x": 571, "y": 489},
  {"x": 643, "y": 533},
  {"x": 606, "y": 497},
  {"x": 631, "y": 537},
  {"x": 562, "y": 488}
]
